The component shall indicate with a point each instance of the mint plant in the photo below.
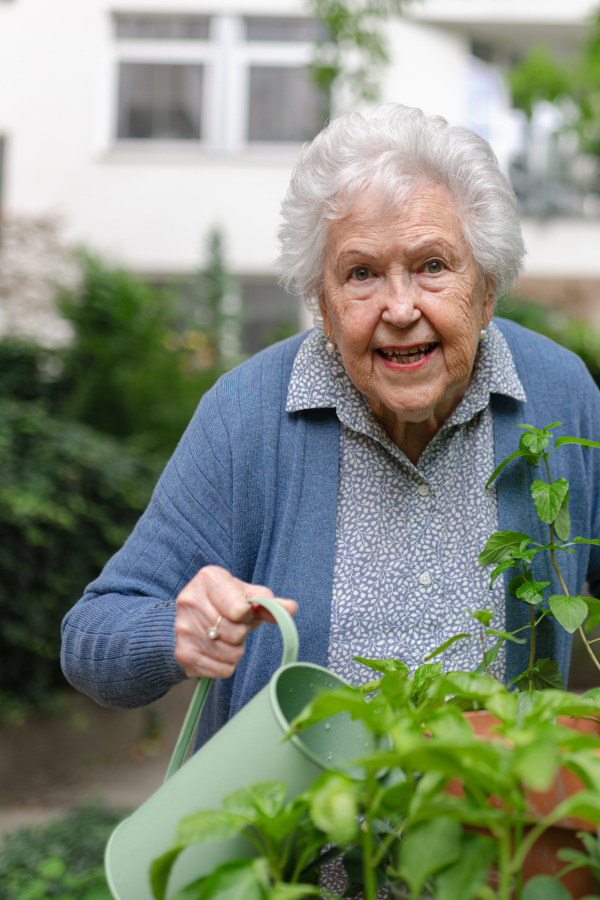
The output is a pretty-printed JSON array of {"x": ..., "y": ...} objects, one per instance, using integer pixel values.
[{"x": 517, "y": 550}]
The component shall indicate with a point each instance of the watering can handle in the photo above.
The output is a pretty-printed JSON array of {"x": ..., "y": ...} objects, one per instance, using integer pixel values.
[{"x": 289, "y": 634}]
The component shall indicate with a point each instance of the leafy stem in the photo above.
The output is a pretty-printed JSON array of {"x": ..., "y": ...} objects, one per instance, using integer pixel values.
[{"x": 532, "y": 651}]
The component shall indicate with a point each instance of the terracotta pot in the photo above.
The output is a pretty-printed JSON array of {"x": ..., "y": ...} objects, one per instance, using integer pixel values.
[{"x": 542, "y": 858}]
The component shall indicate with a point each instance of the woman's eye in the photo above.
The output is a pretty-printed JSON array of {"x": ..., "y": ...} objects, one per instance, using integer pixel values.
[
  {"x": 434, "y": 267},
  {"x": 361, "y": 274}
]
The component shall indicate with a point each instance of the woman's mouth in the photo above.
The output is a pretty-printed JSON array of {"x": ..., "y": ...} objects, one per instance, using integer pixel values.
[{"x": 406, "y": 357}]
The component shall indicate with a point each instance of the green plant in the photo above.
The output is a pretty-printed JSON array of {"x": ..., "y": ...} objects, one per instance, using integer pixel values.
[
  {"x": 68, "y": 499},
  {"x": 354, "y": 51},
  {"x": 577, "y": 335},
  {"x": 415, "y": 821},
  {"x": 440, "y": 811},
  {"x": 62, "y": 858},
  {"x": 124, "y": 373},
  {"x": 574, "y": 83},
  {"x": 516, "y": 550}
]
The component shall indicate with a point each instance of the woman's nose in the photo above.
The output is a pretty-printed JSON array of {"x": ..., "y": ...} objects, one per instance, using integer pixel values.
[{"x": 400, "y": 306}]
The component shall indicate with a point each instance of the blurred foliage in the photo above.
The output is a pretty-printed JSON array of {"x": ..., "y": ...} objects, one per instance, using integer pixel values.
[
  {"x": 355, "y": 50},
  {"x": 84, "y": 432},
  {"x": 573, "y": 84},
  {"x": 68, "y": 499},
  {"x": 577, "y": 335},
  {"x": 61, "y": 859},
  {"x": 124, "y": 374}
]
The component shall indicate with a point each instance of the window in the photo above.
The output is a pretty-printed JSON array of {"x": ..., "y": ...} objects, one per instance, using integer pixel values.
[{"x": 224, "y": 82}]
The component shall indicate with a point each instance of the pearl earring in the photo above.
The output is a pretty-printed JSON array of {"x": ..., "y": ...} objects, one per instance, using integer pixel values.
[
  {"x": 482, "y": 333},
  {"x": 330, "y": 347}
]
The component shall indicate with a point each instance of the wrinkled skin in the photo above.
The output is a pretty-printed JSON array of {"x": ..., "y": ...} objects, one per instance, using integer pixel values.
[
  {"x": 211, "y": 593},
  {"x": 396, "y": 280}
]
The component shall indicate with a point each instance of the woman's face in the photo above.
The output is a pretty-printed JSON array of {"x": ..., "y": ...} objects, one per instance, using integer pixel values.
[{"x": 404, "y": 301}]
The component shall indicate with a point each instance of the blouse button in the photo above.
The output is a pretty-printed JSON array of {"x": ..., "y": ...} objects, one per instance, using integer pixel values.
[
  {"x": 423, "y": 490},
  {"x": 425, "y": 578}
]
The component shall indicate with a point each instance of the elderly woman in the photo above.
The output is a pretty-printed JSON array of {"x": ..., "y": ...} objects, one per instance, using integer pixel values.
[{"x": 346, "y": 468}]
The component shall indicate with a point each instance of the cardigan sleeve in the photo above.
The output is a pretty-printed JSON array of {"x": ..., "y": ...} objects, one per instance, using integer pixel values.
[{"x": 119, "y": 640}]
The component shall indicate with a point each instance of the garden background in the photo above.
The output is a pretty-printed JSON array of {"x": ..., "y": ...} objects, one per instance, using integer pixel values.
[{"x": 101, "y": 367}]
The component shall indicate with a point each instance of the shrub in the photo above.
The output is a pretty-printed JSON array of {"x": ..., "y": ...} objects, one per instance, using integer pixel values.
[
  {"x": 124, "y": 373},
  {"x": 61, "y": 859},
  {"x": 68, "y": 499},
  {"x": 577, "y": 335}
]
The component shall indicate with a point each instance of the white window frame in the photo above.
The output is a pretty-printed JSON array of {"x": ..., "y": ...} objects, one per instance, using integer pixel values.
[{"x": 226, "y": 57}]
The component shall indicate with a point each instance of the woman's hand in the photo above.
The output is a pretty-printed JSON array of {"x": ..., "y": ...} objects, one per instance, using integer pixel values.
[{"x": 214, "y": 599}]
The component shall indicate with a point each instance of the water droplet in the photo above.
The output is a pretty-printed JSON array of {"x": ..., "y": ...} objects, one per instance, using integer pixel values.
[
  {"x": 327, "y": 726},
  {"x": 330, "y": 755}
]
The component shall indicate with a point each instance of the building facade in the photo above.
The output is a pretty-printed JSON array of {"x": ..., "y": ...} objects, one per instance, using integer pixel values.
[{"x": 140, "y": 126}]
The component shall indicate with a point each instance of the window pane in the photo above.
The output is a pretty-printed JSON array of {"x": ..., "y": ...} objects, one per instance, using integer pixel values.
[
  {"x": 162, "y": 28},
  {"x": 285, "y": 29},
  {"x": 270, "y": 314},
  {"x": 159, "y": 102},
  {"x": 285, "y": 104}
]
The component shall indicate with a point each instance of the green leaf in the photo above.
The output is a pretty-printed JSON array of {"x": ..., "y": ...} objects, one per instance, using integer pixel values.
[
  {"x": 211, "y": 825},
  {"x": 333, "y": 807},
  {"x": 52, "y": 868},
  {"x": 580, "y": 540},
  {"x": 506, "y": 636},
  {"x": 425, "y": 676},
  {"x": 265, "y": 797},
  {"x": 571, "y": 612},
  {"x": 502, "y": 466},
  {"x": 192, "y": 891},
  {"x": 500, "y": 546},
  {"x": 593, "y": 606},
  {"x": 562, "y": 523},
  {"x": 160, "y": 871},
  {"x": 428, "y": 848},
  {"x": 571, "y": 440},
  {"x": 547, "y": 675},
  {"x": 387, "y": 666},
  {"x": 548, "y": 498},
  {"x": 532, "y": 591},
  {"x": 534, "y": 443},
  {"x": 237, "y": 880},
  {"x": 448, "y": 643},
  {"x": 464, "y": 879},
  {"x": 543, "y": 887},
  {"x": 484, "y": 616},
  {"x": 507, "y": 564},
  {"x": 536, "y": 763},
  {"x": 514, "y": 583}
]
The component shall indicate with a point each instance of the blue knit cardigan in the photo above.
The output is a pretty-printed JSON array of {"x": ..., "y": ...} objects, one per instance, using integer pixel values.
[{"x": 253, "y": 488}]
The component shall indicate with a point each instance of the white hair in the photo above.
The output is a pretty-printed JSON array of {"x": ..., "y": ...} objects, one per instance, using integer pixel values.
[{"x": 388, "y": 153}]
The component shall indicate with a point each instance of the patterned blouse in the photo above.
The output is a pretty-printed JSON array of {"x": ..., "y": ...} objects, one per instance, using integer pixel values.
[{"x": 407, "y": 537}]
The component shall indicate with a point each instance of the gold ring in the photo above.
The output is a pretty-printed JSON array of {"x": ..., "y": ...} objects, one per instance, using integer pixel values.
[{"x": 213, "y": 632}]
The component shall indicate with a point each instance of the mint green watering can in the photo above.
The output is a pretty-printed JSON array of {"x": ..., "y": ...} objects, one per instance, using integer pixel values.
[{"x": 249, "y": 748}]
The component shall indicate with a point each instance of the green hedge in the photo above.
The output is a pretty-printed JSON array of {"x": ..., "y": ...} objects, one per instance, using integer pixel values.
[
  {"x": 68, "y": 499},
  {"x": 61, "y": 859}
]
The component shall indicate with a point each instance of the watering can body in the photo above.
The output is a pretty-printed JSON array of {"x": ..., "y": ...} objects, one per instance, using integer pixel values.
[{"x": 249, "y": 748}]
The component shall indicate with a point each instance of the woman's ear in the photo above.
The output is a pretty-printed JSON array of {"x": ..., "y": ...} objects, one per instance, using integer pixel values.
[
  {"x": 489, "y": 302},
  {"x": 324, "y": 314}
]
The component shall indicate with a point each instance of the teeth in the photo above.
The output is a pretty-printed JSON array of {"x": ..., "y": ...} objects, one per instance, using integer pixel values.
[{"x": 407, "y": 356}]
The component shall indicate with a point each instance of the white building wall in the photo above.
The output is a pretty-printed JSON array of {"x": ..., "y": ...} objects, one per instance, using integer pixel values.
[{"x": 151, "y": 210}]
